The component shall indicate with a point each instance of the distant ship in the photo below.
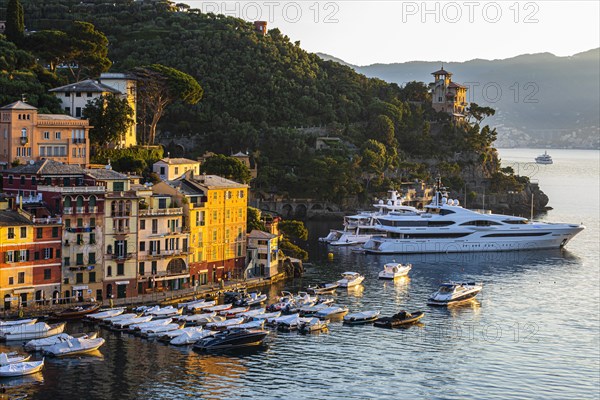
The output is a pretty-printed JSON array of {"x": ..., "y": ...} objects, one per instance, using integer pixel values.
[{"x": 544, "y": 158}]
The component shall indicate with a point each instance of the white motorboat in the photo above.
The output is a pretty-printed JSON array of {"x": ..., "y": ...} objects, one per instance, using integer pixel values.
[
  {"x": 165, "y": 312},
  {"x": 323, "y": 288},
  {"x": 267, "y": 316},
  {"x": 252, "y": 313},
  {"x": 232, "y": 312},
  {"x": 117, "y": 318},
  {"x": 252, "y": 299},
  {"x": 394, "y": 270},
  {"x": 191, "y": 337},
  {"x": 454, "y": 292},
  {"x": 285, "y": 302},
  {"x": 220, "y": 308},
  {"x": 305, "y": 299},
  {"x": 153, "y": 323},
  {"x": 358, "y": 229},
  {"x": 197, "y": 319},
  {"x": 147, "y": 310},
  {"x": 168, "y": 336},
  {"x": 287, "y": 322},
  {"x": 350, "y": 279},
  {"x": 122, "y": 325},
  {"x": 75, "y": 346},
  {"x": 201, "y": 306},
  {"x": 103, "y": 314},
  {"x": 332, "y": 312},
  {"x": 224, "y": 324},
  {"x": 311, "y": 310},
  {"x": 187, "y": 304},
  {"x": 155, "y": 331},
  {"x": 363, "y": 317},
  {"x": 7, "y": 324},
  {"x": 13, "y": 358},
  {"x": 20, "y": 369},
  {"x": 250, "y": 325},
  {"x": 446, "y": 227},
  {"x": 309, "y": 325},
  {"x": 38, "y": 330},
  {"x": 544, "y": 159},
  {"x": 41, "y": 344}
]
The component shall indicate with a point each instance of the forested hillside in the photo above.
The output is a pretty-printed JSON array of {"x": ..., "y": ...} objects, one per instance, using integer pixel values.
[{"x": 258, "y": 89}]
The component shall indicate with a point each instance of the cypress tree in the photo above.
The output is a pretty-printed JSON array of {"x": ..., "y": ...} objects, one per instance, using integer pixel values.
[{"x": 15, "y": 21}]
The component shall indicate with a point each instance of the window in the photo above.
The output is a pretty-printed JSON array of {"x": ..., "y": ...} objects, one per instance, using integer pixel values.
[
  {"x": 23, "y": 232},
  {"x": 142, "y": 246},
  {"x": 162, "y": 170},
  {"x": 241, "y": 194},
  {"x": 11, "y": 233},
  {"x": 67, "y": 261},
  {"x": 92, "y": 277},
  {"x": 67, "y": 223},
  {"x": 162, "y": 203},
  {"x": 33, "y": 181},
  {"x": 141, "y": 268},
  {"x": 78, "y": 112},
  {"x": 92, "y": 258},
  {"x": 48, "y": 252},
  {"x": 68, "y": 109},
  {"x": 142, "y": 224},
  {"x": 89, "y": 94},
  {"x": 120, "y": 269},
  {"x": 67, "y": 94},
  {"x": 214, "y": 235},
  {"x": 22, "y": 179},
  {"x": 55, "y": 231},
  {"x": 79, "y": 222},
  {"x": 228, "y": 194},
  {"x": 92, "y": 222},
  {"x": 39, "y": 233},
  {"x": 56, "y": 135},
  {"x": 11, "y": 280},
  {"x": 79, "y": 259},
  {"x": 78, "y": 94},
  {"x": 46, "y": 135},
  {"x": 154, "y": 226},
  {"x": 215, "y": 195},
  {"x": 10, "y": 179},
  {"x": 21, "y": 277},
  {"x": 47, "y": 274},
  {"x": 79, "y": 238},
  {"x": 154, "y": 267},
  {"x": 92, "y": 238},
  {"x": 118, "y": 186},
  {"x": 79, "y": 277},
  {"x": 23, "y": 255},
  {"x": 109, "y": 271}
]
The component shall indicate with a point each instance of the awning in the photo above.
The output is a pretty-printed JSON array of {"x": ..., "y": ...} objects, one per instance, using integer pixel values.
[
  {"x": 122, "y": 282},
  {"x": 82, "y": 287},
  {"x": 23, "y": 290},
  {"x": 168, "y": 278}
]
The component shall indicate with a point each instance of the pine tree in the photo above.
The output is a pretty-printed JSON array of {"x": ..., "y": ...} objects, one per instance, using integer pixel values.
[{"x": 15, "y": 21}]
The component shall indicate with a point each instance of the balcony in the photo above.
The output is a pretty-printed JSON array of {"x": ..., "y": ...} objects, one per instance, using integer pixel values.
[
  {"x": 78, "y": 140},
  {"x": 80, "y": 210},
  {"x": 50, "y": 221},
  {"x": 93, "y": 210},
  {"x": 161, "y": 211},
  {"x": 67, "y": 210},
  {"x": 74, "y": 189},
  {"x": 122, "y": 230},
  {"x": 119, "y": 256},
  {"x": 24, "y": 140},
  {"x": 120, "y": 214}
]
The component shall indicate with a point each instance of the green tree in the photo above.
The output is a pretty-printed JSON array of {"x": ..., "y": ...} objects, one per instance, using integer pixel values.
[
  {"x": 15, "y": 21},
  {"x": 111, "y": 118},
  {"x": 227, "y": 167},
  {"x": 51, "y": 46},
  {"x": 254, "y": 221},
  {"x": 159, "y": 86},
  {"x": 88, "y": 55},
  {"x": 382, "y": 129},
  {"x": 293, "y": 229},
  {"x": 479, "y": 113}
]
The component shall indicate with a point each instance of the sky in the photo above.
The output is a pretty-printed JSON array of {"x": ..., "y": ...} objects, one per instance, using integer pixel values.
[{"x": 366, "y": 32}]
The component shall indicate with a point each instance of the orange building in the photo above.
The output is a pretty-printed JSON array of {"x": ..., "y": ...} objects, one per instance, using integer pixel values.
[
  {"x": 27, "y": 135},
  {"x": 447, "y": 96}
]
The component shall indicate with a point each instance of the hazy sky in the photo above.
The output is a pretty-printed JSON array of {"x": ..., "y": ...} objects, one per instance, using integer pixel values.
[{"x": 366, "y": 32}]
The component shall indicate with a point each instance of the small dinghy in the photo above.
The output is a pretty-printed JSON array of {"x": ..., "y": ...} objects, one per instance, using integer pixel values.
[
  {"x": 309, "y": 325},
  {"x": 155, "y": 331},
  {"x": 117, "y": 318},
  {"x": 332, "y": 312},
  {"x": 38, "y": 330},
  {"x": 360, "y": 318},
  {"x": 191, "y": 337},
  {"x": 287, "y": 322},
  {"x": 124, "y": 324},
  {"x": 399, "y": 319},
  {"x": 454, "y": 293},
  {"x": 41, "y": 344},
  {"x": 149, "y": 324},
  {"x": 9, "y": 324},
  {"x": 12, "y": 358},
  {"x": 323, "y": 288},
  {"x": 220, "y": 308},
  {"x": 252, "y": 313},
  {"x": 186, "y": 304},
  {"x": 74, "y": 346},
  {"x": 224, "y": 324},
  {"x": 20, "y": 369},
  {"x": 255, "y": 298},
  {"x": 309, "y": 311},
  {"x": 166, "y": 312}
]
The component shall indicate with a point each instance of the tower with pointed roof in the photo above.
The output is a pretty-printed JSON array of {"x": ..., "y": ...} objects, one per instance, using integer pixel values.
[{"x": 447, "y": 96}]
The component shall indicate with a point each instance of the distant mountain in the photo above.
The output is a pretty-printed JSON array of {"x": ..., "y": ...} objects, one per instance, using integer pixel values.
[{"x": 544, "y": 100}]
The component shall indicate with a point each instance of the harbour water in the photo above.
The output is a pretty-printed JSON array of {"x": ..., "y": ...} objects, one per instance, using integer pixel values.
[{"x": 534, "y": 332}]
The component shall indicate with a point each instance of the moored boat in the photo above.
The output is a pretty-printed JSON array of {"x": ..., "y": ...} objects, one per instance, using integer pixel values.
[
  {"x": 232, "y": 339},
  {"x": 350, "y": 279},
  {"x": 103, "y": 314},
  {"x": 454, "y": 293},
  {"x": 12, "y": 323},
  {"x": 310, "y": 325},
  {"x": 545, "y": 159},
  {"x": 332, "y": 312},
  {"x": 41, "y": 344},
  {"x": 76, "y": 312},
  {"x": 74, "y": 346},
  {"x": 191, "y": 337},
  {"x": 13, "y": 358},
  {"x": 200, "y": 307},
  {"x": 361, "y": 318},
  {"x": 394, "y": 270},
  {"x": 20, "y": 369},
  {"x": 221, "y": 325},
  {"x": 233, "y": 312},
  {"x": 323, "y": 288},
  {"x": 399, "y": 319},
  {"x": 38, "y": 330}
]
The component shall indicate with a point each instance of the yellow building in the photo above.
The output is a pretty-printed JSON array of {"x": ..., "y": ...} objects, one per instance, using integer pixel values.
[
  {"x": 171, "y": 168},
  {"x": 162, "y": 243},
  {"x": 447, "y": 96},
  {"x": 215, "y": 211}
]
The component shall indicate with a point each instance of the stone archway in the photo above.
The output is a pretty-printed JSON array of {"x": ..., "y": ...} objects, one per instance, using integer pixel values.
[
  {"x": 301, "y": 211},
  {"x": 287, "y": 211},
  {"x": 176, "y": 266}
]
